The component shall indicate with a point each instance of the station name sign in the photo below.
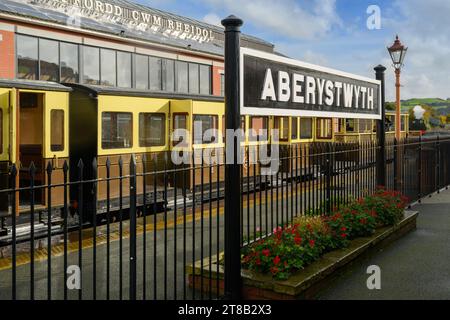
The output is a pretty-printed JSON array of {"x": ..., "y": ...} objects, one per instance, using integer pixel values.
[
  {"x": 274, "y": 85},
  {"x": 138, "y": 19}
]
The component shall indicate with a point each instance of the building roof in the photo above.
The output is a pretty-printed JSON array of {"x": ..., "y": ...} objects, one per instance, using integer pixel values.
[
  {"x": 115, "y": 91},
  {"x": 59, "y": 12},
  {"x": 33, "y": 85}
]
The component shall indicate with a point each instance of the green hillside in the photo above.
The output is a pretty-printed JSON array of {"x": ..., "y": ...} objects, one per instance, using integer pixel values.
[{"x": 442, "y": 106}]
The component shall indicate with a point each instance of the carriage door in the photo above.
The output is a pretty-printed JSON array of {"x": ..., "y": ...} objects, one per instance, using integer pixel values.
[
  {"x": 4, "y": 148},
  {"x": 30, "y": 135}
]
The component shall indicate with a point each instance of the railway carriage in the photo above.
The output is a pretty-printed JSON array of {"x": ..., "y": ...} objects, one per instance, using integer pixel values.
[{"x": 33, "y": 129}]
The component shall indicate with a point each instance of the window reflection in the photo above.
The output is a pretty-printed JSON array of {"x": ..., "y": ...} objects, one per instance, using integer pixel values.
[
  {"x": 27, "y": 57},
  {"x": 69, "y": 62},
  {"x": 91, "y": 65},
  {"x": 49, "y": 60}
]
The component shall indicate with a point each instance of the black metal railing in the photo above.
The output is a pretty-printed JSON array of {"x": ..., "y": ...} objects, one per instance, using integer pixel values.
[{"x": 164, "y": 236}]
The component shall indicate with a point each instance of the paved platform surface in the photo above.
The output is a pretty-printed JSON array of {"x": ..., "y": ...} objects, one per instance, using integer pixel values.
[{"x": 416, "y": 266}]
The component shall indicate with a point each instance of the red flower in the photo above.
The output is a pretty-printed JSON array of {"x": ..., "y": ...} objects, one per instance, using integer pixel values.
[
  {"x": 363, "y": 221},
  {"x": 312, "y": 243},
  {"x": 258, "y": 262},
  {"x": 343, "y": 229},
  {"x": 344, "y": 235},
  {"x": 298, "y": 240},
  {"x": 276, "y": 260},
  {"x": 266, "y": 252}
]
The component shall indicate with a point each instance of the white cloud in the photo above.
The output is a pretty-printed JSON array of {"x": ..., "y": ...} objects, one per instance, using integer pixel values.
[
  {"x": 213, "y": 19},
  {"x": 423, "y": 26},
  {"x": 286, "y": 18}
]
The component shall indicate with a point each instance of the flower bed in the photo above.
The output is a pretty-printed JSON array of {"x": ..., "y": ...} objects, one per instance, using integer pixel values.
[{"x": 292, "y": 248}]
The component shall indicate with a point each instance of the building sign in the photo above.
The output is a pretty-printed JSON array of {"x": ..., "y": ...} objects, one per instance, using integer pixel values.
[
  {"x": 274, "y": 85},
  {"x": 137, "y": 19}
]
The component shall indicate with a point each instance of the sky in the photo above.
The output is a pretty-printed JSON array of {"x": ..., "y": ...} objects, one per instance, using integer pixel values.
[{"x": 334, "y": 33}]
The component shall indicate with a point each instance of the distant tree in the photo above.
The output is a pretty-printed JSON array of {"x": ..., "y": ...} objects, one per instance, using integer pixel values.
[{"x": 390, "y": 106}]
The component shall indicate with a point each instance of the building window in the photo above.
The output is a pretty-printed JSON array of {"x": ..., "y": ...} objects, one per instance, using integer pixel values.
[
  {"x": 141, "y": 72},
  {"x": 57, "y": 130},
  {"x": 48, "y": 60},
  {"x": 205, "y": 80},
  {"x": 202, "y": 123},
  {"x": 324, "y": 128},
  {"x": 258, "y": 128},
  {"x": 194, "y": 81},
  {"x": 117, "y": 130},
  {"x": 108, "y": 67},
  {"x": 27, "y": 58},
  {"x": 294, "y": 128},
  {"x": 306, "y": 128},
  {"x": 168, "y": 70},
  {"x": 124, "y": 70},
  {"x": 91, "y": 65},
  {"x": 69, "y": 62},
  {"x": 222, "y": 85},
  {"x": 152, "y": 129},
  {"x": 155, "y": 74},
  {"x": 182, "y": 77},
  {"x": 282, "y": 124}
]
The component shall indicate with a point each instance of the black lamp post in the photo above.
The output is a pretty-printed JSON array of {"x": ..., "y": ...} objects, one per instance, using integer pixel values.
[{"x": 397, "y": 52}]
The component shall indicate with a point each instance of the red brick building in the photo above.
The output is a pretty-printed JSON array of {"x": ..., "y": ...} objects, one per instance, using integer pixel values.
[{"x": 113, "y": 43}]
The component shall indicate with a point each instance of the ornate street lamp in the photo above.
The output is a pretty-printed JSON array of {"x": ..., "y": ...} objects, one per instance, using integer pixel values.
[{"x": 397, "y": 52}]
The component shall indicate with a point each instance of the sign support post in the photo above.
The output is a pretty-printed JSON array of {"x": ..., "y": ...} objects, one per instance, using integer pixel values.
[
  {"x": 233, "y": 200},
  {"x": 381, "y": 128}
]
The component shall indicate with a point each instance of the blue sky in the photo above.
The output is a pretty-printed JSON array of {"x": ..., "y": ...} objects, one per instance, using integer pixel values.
[{"x": 334, "y": 33}]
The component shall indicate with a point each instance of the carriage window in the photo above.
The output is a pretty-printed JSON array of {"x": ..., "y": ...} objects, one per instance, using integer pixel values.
[
  {"x": 69, "y": 62},
  {"x": 350, "y": 125},
  {"x": 179, "y": 122},
  {"x": 256, "y": 125},
  {"x": 294, "y": 128},
  {"x": 1, "y": 131},
  {"x": 57, "y": 130},
  {"x": 305, "y": 128},
  {"x": 27, "y": 57},
  {"x": 390, "y": 123},
  {"x": 204, "y": 122},
  {"x": 324, "y": 128},
  {"x": 117, "y": 130},
  {"x": 49, "y": 60},
  {"x": 108, "y": 67},
  {"x": 365, "y": 125},
  {"x": 152, "y": 129},
  {"x": 402, "y": 123},
  {"x": 282, "y": 124},
  {"x": 224, "y": 128}
]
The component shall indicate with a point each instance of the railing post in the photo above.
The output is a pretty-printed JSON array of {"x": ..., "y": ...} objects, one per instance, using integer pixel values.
[
  {"x": 133, "y": 228},
  {"x": 13, "y": 230},
  {"x": 419, "y": 170},
  {"x": 381, "y": 131},
  {"x": 232, "y": 274},
  {"x": 329, "y": 173},
  {"x": 438, "y": 164}
]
